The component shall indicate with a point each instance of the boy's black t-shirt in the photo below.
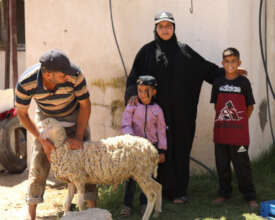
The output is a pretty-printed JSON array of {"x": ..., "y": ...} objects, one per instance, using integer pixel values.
[{"x": 231, "y": 98}]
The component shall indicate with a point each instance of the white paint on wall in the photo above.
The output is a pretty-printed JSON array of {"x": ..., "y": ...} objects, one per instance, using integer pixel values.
[{"x": 82, "y": 29}]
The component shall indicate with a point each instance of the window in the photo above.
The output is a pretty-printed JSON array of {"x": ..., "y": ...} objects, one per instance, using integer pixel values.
[{"x": 20, "y": 23}]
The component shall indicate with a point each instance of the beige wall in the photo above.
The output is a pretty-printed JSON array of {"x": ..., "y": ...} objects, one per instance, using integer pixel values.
[{"x": 83, "y": 30}]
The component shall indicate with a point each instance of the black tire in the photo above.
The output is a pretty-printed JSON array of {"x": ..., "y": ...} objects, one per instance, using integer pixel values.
[{"x": 13, "y": 145}]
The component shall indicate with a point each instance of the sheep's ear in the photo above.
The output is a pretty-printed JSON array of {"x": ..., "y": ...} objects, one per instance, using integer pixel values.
[{"x": 66, "y": 124}]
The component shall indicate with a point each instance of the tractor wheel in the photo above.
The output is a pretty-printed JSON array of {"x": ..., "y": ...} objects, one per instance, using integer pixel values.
[{"x": 13, "y": 145}]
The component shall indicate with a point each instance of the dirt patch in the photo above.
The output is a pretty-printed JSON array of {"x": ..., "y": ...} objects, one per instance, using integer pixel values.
[{"x": 13, "y": 191}]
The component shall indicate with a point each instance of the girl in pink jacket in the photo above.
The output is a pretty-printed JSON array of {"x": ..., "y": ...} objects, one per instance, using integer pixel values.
[{"x": 145, "y": 119}]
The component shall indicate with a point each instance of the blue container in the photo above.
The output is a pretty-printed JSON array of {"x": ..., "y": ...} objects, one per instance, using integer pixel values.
[{"x": 267, "y": 209}]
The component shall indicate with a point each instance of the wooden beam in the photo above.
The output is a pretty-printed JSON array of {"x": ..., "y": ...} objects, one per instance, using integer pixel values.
[
  {"x": 7, "y": 42},
  {"x": 13, "y": 28}
]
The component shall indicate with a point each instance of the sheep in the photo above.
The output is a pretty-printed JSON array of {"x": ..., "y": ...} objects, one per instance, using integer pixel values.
[{"x": 109, "y": 161}]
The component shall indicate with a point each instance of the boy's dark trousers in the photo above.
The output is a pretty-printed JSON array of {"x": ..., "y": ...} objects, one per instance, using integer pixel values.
[
  {"x": 238, "y": 155},
  {"x": 130, "y": 190}
]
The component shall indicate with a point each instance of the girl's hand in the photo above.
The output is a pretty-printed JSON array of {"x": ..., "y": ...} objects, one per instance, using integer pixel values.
[{"x": 161, "y": 157}]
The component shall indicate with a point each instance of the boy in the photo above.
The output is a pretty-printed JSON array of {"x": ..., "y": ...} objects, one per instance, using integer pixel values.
[
  {"x": 233, "y": 98},
  {"x": 146, "y": 120}
]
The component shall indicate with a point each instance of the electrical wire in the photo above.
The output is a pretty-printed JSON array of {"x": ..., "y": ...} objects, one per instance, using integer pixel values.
[
  {"x": 264, "y": 59},
  {"x": 262, "y": 50},
  {"x": 114, "y": 33}
]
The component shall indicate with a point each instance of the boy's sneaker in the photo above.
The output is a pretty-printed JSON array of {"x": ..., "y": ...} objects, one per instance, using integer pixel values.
[
  {"x": 219, "y": 200},
  {"x": 253, "y": 204}
]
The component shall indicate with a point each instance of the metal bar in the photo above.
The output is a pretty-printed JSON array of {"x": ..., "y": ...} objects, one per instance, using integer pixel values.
[
  {"x": 13, "y": 28},
  {"x": 7, "y": 43}
]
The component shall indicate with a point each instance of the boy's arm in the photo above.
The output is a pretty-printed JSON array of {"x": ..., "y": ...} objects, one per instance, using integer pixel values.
[
  {"x": 250, "y": 109},
  {"x": 127, "y": 120},
  {"x": 161, "y": 132},
  {"x": 162, "y": 140},
  {"x": 249, "y": 98}
]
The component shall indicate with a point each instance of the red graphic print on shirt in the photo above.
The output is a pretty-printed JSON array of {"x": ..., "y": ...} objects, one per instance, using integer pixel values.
[
  {"x": 229, "y": 113},
  {"x": 231, "y": 123}
]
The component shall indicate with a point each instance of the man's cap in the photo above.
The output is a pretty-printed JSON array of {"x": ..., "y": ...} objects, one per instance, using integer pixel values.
[
  {"x": 164, "y": 16},
  {"x": 56, "y": 60},
  {"x": 147, "y": 80},
  {"x": 231, "y": 51}
]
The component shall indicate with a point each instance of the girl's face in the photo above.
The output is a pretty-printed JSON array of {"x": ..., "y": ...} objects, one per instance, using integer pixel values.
[{"x": 145, "y": 93}]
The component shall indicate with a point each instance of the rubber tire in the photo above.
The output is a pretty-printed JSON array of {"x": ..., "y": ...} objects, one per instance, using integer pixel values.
[{"x": 10, "y": 130}]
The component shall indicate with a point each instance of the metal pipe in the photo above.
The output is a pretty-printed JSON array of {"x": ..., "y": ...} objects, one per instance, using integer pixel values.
[
  {"x": 7, "y": 43},
  {"x": 13, "y": 29}
]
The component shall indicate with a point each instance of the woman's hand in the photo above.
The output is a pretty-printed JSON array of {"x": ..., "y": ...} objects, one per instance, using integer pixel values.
[{"x": 133, "y": 100}]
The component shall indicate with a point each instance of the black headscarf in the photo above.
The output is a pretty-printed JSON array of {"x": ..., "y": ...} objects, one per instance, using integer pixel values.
[{"x": 164, "y": 48}]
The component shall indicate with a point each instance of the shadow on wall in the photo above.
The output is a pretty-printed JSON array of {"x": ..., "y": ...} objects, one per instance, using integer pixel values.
[{"x": 263, "y": 114}]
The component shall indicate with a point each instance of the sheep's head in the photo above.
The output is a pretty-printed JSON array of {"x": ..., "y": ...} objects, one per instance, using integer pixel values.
[{"x": 54, "y": 130}]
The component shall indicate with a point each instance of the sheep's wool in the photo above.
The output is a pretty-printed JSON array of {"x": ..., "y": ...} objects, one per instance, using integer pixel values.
[{"x": 109, "y": 161}]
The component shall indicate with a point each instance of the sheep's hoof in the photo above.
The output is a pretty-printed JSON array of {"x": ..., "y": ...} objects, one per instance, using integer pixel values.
[{"x": 156, "y": 214}]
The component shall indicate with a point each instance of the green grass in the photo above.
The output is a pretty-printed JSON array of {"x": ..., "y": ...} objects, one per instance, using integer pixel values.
[{"x": 202, "y": 190}]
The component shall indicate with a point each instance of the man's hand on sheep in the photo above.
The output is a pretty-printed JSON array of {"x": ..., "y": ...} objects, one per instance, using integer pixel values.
[
  {"x": 75, "y": 144},
  {"x": 47, "y": 147}
]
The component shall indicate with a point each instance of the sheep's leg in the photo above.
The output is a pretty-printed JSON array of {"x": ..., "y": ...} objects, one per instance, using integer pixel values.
[
  {"x": 80, "y": 192},
  {"x": 70, "y": 196},
  {"x": 158, "y": 205},
  {"x": 149, "y": 187}
]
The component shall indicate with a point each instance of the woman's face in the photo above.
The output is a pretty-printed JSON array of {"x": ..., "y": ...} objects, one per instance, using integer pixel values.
[{"x": 165, "y": 30}]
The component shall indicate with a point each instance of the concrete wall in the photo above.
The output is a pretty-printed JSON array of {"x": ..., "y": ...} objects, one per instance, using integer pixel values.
[{"x": 82, "y": 29}]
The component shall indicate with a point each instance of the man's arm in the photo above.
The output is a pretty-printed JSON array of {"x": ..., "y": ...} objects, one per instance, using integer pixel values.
[
  {"x": 25, "y": 120},
  {"x": 82, "y": 123},
  {"x": 83, "y": 118}
]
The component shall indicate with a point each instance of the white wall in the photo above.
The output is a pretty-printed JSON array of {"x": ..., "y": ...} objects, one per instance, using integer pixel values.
[{"x": 83, "y": 30}]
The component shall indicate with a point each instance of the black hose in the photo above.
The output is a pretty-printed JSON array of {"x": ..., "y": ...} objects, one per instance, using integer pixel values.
[
  {"x": 262, "y": 51},
  {"x": 264, "y": 59},
  {"x": 114, "y": 33},
  {"x": 204, "y": 166}
]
